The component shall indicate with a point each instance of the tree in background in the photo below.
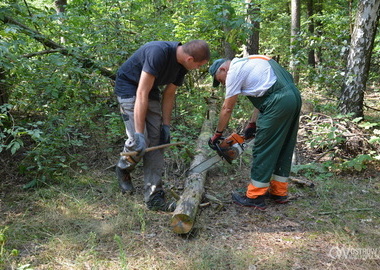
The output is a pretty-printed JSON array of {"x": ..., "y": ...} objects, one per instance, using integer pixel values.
[
  {"x": 60, "y": 6},
  {"x": 57, "y": 58},
  {"x": 294, "y": 36},
  {"x": 253, "y": 19},
  {"x": 359, "y": 57}
]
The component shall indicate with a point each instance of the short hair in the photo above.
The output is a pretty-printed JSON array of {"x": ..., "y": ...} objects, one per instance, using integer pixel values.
[{"x": 198, "y": 49}]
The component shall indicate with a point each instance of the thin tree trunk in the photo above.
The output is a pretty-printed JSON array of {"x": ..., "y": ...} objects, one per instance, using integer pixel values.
[
  {"x": 318, "y": 4},
  {"x": 229, "y": 52},
  {"x": 310, "y": 13},
  {"x": 60, "y": 7},
  {"x": 4, "y": 86},
  {"x": 295, "y": 28},
  {"x": 359, "y": 57},
  {"x": 253, "y": 11}
]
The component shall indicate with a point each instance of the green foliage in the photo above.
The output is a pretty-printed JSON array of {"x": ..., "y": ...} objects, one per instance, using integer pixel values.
[
  {"x": 5, "y": 253},
  {"x": 375, "y": 138},
  {"x": 327, "y": 138},
  {"x": 12, "y": 136},
  {"x": 61, "y": 108},
  {"x": 358, "y": 163},
  {"x": 324, "y": 136},
  {"x": 313, "y": 170}
]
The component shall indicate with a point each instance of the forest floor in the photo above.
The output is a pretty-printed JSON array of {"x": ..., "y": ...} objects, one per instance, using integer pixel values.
[{"x": 84, "y": 222}]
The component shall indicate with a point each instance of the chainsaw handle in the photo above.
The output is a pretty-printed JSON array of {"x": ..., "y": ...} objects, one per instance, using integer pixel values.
[
  {"x": 214, "y": 145},
  {"x": 221, "y": 153}
]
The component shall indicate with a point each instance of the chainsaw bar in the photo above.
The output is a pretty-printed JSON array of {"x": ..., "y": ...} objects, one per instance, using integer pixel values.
[{"x": 203, "y": 166}]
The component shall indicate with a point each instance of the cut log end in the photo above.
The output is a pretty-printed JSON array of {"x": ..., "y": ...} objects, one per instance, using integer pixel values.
[{"x": 181, "y": 223}]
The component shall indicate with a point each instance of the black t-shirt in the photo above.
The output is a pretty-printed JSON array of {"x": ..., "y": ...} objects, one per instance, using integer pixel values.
[{"x": 157, "y": 58}]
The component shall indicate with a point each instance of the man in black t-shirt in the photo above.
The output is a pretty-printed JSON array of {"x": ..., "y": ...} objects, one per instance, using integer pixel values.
[{"x": 147, "y": 112}]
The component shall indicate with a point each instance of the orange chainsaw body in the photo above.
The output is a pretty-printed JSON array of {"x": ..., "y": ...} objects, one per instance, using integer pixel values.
[{"x": 231, "y": 147}]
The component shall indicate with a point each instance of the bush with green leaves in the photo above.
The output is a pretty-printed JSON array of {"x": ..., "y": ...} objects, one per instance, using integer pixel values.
[
  {"x": 5, "y": 253},
  {"x": 12, "y": 135},
  {"x": 347, "y": 144}
]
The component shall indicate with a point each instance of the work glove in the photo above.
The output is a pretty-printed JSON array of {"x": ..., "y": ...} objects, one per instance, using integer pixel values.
[
  {"x": 140, "y": 144},
  {"x": 165, "y": 134},
  {"x": 250, "y": 130},
  {"x": 214, "y": 140}
]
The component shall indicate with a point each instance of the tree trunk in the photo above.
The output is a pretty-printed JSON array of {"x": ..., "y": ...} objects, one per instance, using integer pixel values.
[
  {"x": 310, "y": 13},
  {"x": 295, "y": 28},
  {"x": 359, "y": 57},
  {"x": 4, "y": 86},
  {"x": 60, "y": 7},
  {"x": 253, "y": 11},
  {"x": 318, "y": 4},
  {"x": 183, "y": 218},
  {"x": 229, "y": 52}
]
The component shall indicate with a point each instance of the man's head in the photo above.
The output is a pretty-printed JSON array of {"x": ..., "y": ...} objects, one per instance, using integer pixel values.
[
  {"x": 194, "y": 54},
  {"x": 218, "y": 71}
]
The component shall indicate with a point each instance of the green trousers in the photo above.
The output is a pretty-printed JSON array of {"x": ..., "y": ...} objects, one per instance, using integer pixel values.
[{"x": 277, "y": 127}]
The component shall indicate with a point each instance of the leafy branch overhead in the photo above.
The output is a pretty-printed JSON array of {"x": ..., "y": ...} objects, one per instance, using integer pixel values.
[{"x": 86, "y": 61}]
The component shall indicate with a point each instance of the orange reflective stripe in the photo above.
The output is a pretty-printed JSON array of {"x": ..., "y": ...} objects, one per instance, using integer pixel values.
[
  {"x": 253, "y": 192},
  {"x": 259, "y": 57}
]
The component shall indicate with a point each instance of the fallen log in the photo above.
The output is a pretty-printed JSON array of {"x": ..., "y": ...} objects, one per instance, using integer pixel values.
[
  {"x": 184, "y": 215},
  {"x": 300, "y": 182}
]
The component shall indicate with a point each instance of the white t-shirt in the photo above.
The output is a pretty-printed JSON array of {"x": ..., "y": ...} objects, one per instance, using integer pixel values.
[{"x": 249, "y": 77}]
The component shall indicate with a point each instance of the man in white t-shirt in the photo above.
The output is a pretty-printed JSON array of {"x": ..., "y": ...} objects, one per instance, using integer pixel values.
[{"x": 277, "y": 103}]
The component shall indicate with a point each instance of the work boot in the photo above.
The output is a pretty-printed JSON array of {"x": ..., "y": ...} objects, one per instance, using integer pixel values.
[
  {"x": 157, "y": 202},
  {"x": 125, "y": 181},
  {"x": 243, "y": 200},
  {"x": 278, "y": 199}
]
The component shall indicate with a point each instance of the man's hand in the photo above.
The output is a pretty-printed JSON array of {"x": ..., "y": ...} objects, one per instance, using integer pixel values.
[
  {"x": 165, "y": 134},
  {"x": 215, "y": 139},
  {"x": 250, "y": 130},
  {"x": 140, "y": 144}
]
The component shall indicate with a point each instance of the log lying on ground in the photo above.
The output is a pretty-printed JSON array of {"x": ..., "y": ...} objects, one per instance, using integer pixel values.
[
  {"x": 184, "y": 215},
  {"x": 301, "y": 182}
]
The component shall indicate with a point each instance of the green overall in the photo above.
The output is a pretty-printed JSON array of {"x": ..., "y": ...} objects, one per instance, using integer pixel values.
[{"x": 277, "y": 127}]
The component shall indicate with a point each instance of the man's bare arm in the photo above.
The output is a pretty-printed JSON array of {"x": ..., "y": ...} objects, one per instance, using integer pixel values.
[
  {"x": 142, "y": 98},
  {"x": 226, "y": 112},
  {"x": 168, "y": 98}
]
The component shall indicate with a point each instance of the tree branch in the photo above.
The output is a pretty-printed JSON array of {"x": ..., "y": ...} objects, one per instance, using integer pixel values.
[
  {"x": 29, "y": 55},
  {"x": 87, "y": 62}
]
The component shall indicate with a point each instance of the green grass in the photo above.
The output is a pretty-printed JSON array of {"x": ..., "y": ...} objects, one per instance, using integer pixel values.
[{"x": 84, "y": 222}]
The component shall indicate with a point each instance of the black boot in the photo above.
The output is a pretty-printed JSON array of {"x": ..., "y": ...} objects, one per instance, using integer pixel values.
[
  {"x": 278, "y": 199},
  {"x": 158, "y": 202},
  {"x": 125, "y": 181},
  {"x": 243, "y": 200}
]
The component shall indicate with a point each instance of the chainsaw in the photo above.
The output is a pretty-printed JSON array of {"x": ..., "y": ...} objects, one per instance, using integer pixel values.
[{"x": 227, "y": 149}]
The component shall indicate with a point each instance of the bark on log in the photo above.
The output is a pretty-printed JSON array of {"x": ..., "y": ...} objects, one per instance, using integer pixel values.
[
  {"x": 184, "y": 215},
  {"x": 300, "y": 182}
]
